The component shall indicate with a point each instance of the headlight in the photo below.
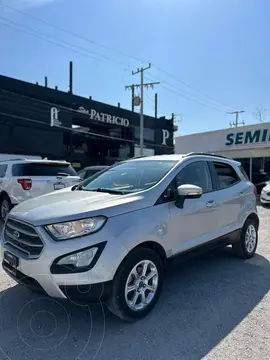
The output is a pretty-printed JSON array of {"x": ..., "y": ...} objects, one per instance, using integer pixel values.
[{"x": 73, "y": 229}]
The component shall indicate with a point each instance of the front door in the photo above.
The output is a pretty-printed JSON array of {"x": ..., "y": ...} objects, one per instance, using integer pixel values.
[{"x": 197, "y": 222}]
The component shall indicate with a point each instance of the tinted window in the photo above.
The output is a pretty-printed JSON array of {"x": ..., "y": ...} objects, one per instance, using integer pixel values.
[
  {"x": 226, "y": 175},
  {"x": 81, "y": 174},
  {"x": 196, "y": 173},
  {"x": 90, "y": 173},
  {"x": 130, "y": 176},
  {"x": 42, "y": 169},
  {"x": 149, "y": 134},
  {"x": 3, "y": 169}
]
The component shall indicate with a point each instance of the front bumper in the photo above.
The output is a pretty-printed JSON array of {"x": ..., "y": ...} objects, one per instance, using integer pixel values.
[
  {"x": 89, "y": 285},
  {"x": 81, "y": 293}
]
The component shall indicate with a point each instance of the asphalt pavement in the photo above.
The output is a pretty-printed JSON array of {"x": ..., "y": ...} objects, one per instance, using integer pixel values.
[{"x": 213, "y": 307}]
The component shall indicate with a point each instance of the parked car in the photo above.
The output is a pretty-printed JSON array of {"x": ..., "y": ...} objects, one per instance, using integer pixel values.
[
  {"x": 23, "y": 179},
  {"x": 111, "y": 238},
  {"x": 265, "y": 194},
  {"x": 91, "y": 170}
]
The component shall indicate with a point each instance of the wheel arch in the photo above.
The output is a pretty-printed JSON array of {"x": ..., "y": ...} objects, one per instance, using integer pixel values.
[
  {"x": 253, "y": 216},
  {"x": 153, "y": 245},
  {"x": 3, "y": 194}
]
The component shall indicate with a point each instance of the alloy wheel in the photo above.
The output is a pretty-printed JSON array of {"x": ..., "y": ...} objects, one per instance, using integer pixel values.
[
  {"x": 250, "y": 238},
  {"x": 141, "y": 285}
]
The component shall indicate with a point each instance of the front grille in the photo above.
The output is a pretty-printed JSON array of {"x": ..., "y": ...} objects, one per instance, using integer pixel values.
[{"x": 23, "y": 239}]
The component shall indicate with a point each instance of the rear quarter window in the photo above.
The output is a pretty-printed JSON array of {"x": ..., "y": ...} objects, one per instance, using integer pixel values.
[
  {"x": 226, "y": 175},
  {"x": 243, "y": 172},
  {"x": 39, "y": 169}
]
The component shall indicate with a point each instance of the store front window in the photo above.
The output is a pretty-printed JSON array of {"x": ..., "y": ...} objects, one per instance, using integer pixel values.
[
  {"x": 258, "y": 170},
  {"x": 148, "y": 134}
]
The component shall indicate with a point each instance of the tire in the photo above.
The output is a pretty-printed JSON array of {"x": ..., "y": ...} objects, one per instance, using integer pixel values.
[
  {"x": 5, "y": 207},
  {"x": 247, "y": 244},
  {"x": 120, "y": 300}
]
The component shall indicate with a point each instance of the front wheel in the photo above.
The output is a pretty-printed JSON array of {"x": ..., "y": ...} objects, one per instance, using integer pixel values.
[
  {"x": 248, "y": 242},
  {"x": 137, "y": 285}
]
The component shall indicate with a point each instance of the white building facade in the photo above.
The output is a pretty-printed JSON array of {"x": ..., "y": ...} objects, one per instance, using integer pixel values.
[{"x": 248, "y": 144}]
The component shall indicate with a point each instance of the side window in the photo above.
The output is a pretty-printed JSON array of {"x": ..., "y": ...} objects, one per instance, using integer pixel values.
[
  {"x": 196, "y": 173},
  {"x": 90, "y": 173},
  {"x": 3, "y": 169},
  {"x": 81, "y": 174},
  {"x": 226, "y": 175}
]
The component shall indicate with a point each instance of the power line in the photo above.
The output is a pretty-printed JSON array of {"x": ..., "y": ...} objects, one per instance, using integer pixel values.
[
  {"x": 71, "y": 33},
  {"x": 188, "y": 95},
  {"x": 80, "y": 131},
  {"x": 117, "y": 51},
  {"x": 192, "y": 87},
  {"x": 182, "y": 94},
  {"x": 72, "y": 129},
  {"x": 66, "y": 45},
  {"x": 98, "y": 57},
  {"x": 64, "y": 108}
]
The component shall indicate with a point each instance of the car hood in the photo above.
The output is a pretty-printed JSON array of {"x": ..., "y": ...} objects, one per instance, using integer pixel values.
[{"x": 69, "y": 205}]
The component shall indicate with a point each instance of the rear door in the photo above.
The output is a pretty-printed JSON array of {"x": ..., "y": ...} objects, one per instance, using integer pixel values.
[
  {"x": 39, "y": 178},
  {"x": 230, "y": 196}
]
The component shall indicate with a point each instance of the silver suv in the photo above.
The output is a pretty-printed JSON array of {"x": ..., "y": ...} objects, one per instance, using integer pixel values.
[{"x": 110, "y": 238}]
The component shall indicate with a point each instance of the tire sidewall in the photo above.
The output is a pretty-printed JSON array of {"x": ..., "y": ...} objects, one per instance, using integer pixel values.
[
  {"x": 3, "y": 200},
  {"x": 243, "y": 238},
  {"x": 133, "y": 259}
]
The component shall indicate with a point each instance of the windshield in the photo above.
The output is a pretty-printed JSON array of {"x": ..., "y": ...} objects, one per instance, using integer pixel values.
[{"x": 130, "y": 176}]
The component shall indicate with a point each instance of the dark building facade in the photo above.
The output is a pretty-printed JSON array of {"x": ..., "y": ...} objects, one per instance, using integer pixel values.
[{"x": 84, "y": 131}]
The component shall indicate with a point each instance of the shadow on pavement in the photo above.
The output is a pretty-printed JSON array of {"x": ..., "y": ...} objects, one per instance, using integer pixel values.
[{"x": 203, "y": 300}]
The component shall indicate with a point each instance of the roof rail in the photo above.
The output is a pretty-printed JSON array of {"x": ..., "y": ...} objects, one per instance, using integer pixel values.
[
  {"x": 16, "y": 159},
  {"x": 206, "y": 154}
]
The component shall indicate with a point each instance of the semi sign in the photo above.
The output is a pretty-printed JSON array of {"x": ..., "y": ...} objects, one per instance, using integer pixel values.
[{"x": 248, "y": 137}]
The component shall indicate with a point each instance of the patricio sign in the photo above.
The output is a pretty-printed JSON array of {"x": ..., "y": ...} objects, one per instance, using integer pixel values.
[
  {"x": 248, "y": 137},
  {"x": 106, "y": 118}
]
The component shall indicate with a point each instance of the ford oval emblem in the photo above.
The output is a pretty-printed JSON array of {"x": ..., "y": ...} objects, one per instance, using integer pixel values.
[{"x": 16, "y": 234}]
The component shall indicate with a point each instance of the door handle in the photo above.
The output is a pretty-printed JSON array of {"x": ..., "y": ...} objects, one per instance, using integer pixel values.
[{"x": 211, "y": 203}]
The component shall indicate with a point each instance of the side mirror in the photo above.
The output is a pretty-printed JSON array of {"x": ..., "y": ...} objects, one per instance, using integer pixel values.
[{"x": 187, "y": 191}]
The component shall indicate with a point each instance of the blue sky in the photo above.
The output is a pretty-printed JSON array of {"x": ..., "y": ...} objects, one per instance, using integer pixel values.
[{"x": 219, "y": 47}]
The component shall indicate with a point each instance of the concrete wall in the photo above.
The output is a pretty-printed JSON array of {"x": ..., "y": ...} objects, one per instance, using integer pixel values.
[{"x": 244, "y": 141}]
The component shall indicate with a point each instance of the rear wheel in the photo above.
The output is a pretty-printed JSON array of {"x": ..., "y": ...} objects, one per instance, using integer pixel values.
[
  {"x": 137, "y": 285},
  {"x": 247, "y": 244},
  {"x": 5, "y": 207}
]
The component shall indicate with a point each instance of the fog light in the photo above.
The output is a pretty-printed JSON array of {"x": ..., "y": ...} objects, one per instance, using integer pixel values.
[{"x": 79, "y": 259}]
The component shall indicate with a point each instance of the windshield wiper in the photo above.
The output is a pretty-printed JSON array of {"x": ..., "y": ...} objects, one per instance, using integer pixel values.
[{"x": 109, "y": 191}]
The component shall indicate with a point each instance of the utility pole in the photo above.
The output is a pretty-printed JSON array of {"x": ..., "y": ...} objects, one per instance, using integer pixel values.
[
  {"x": 141, "y": 86},
  {"x": 132, "y": 97},
  {"x": 156, "y": 105},
  {"x": 236, "y": 123}
]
